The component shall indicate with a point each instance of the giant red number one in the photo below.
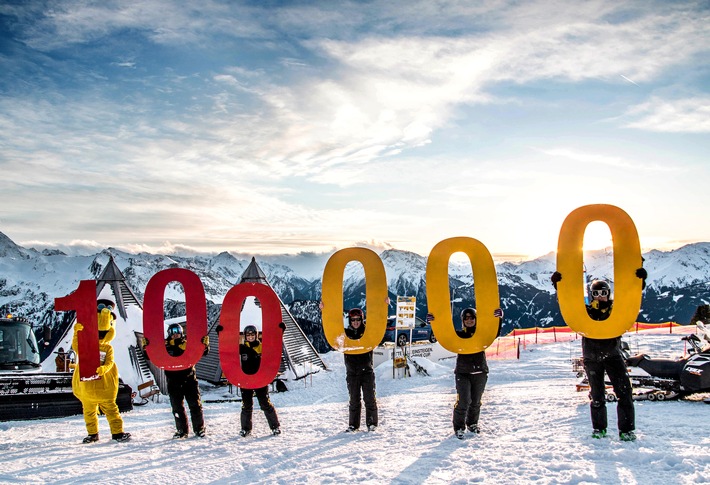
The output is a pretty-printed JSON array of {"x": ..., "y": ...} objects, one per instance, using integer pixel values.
[
  {"x": 83, "y": 301},
  {"x": 271, "y": 335},
  {"x": 154, "y": 325}
]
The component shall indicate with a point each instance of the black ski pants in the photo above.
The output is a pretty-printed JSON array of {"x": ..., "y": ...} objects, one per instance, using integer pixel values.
[
  {"x": 186, "y": 389},
  {"x": 615, "y": 368},
  {"x": 262, "y": 395},
  {"x": 469, "y": 391},
  {"x": 364, "y": 383}
]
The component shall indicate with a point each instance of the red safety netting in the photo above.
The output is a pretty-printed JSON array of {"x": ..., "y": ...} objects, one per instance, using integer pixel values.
[{"x": 509, "y": 346}]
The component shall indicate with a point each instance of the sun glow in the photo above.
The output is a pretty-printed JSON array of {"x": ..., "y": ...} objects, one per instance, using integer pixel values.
[{"x": 597, "y": 236}]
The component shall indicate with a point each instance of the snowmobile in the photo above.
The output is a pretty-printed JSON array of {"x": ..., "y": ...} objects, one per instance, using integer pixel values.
[
  {"x": 663, "y": 379},
  {"x": 26, "y": 392}
]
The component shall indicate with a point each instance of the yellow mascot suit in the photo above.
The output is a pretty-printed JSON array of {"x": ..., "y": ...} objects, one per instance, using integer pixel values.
[{"x": 101, "y": 392}]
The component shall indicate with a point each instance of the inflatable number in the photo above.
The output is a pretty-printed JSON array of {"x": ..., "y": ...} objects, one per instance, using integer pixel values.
[
  {"x": 272, "y": 335},
  {"x": 627, "y": 259},
  {"x": 487, "y": 300},
  {"x": 83, "y": 301},
  {"x": 154, "y": 326},
  {"x": 375, "y": 294}
]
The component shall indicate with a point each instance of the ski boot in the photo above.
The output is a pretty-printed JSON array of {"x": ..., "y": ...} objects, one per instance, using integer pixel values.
[
  {"x": 598, "y": 434},
  {"x": 179, "y": 435},
  {"x": 459, "y": 433},
  {"x": 371, "y": 427},
  {"x": 276, "y": 431},
  {"x": 628, "y": 436},
  {"x": 91, "y": 438},
  {"x": 351, "y": 429},
  {"x": 244, "y": 433},
  {"x": 121, "y": 437},
  {"x": 473, "y": 428},
  {"x": 200, "y": 433}
]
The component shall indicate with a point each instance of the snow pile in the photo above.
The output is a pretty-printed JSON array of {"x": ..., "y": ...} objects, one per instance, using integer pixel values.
[{"x": 535, "y": 429}]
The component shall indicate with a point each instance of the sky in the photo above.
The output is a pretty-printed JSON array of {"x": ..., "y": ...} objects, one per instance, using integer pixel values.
[{"x": 304, "y": 127}]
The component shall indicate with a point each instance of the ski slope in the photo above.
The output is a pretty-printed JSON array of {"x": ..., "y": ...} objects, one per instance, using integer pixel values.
[{"x": 535, "y": 429}]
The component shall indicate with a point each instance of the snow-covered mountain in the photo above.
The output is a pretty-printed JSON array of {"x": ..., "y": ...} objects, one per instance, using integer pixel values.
[{"x": 679, "y": 281}]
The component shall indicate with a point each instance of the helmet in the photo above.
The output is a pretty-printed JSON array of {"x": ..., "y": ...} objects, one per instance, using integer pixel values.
[
  {"x": 106, "y": 303},
  {"x": 250, "y": 329},
  {"x": 468, "y": 312},
  {"x": 599, "y": 288},
  {"x": 356, "y": 312},
  {"x": 174, "y": 329}
]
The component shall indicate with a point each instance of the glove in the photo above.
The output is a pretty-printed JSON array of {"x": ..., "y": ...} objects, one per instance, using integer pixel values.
[
  {"x": 556, "y": 278},
  {"x": 101, "y": 370},
  {"x": 219, "y": 328},
  {"x": 642, "y": 274},
  {"x": 206, "y": 340},
  {"x": 498, "y": 313},
  {"x": 78, "y": 327},
  {"x": 171, "y": 342},
  {"x": 182, "y": 345},
  {"x": 145, "y": 342},
  {"x": 282, "y": 326}
]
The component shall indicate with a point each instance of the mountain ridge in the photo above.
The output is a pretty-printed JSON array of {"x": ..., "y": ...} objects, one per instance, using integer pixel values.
[{"x": 30, "y": 280}]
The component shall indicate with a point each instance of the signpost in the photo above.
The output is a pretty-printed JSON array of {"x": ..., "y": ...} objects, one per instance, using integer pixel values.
[{"x": 406, "y": 312}]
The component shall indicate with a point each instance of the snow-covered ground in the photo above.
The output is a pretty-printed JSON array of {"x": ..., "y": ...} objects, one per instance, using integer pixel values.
[{"x": 536, "y": 429}]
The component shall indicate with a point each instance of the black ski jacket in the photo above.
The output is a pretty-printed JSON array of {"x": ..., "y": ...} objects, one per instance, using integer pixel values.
[
  {"x": 176, "y": 347},
  {"x": 600, "y": 349},
  {"x": 358, "y": 364},
  {"x": 250, "y": 354},
  {"x": 470, "y": 363}
]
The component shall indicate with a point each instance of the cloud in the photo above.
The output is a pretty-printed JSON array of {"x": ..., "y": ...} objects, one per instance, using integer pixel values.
[
  {"x": 161, "y": 21},
  {"x": 256, "y": 124},
  {"x": 689, "y": 115},
  {"x": 73, "y": 248},
  {"x": 593, "y": 159}
]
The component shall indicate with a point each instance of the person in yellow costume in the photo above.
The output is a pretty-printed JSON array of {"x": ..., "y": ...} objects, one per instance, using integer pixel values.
[{"x": 100, "y": 393}]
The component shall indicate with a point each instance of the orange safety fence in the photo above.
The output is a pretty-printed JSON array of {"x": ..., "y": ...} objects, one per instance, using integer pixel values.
[{"x": 509, "y": 346}]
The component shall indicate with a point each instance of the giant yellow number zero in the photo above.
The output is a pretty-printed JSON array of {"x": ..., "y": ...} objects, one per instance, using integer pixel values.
[
  {"x": 627, "y": 259},
  {"x": 375, "y": 294},
  {"x": 486, "y": 292}
]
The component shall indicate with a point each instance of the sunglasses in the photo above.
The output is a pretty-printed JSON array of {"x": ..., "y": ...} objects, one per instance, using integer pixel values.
[
  {"x": 356, "y": 320},
  {"x": 598, "y": 293},
  {"x": 101, "y": 306}
]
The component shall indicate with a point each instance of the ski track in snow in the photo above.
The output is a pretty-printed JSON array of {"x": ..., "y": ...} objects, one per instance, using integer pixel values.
[{"x": 535, "y": 429}]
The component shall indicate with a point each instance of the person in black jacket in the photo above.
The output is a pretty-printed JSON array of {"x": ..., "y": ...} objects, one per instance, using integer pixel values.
[
  {"x": 604, "y": 355},
  {"x": 183, "y": 386},
  {"x": 471, "y": 376},
  {"x": 250, "y": 353},
  {"x": 360, "y": 377}
]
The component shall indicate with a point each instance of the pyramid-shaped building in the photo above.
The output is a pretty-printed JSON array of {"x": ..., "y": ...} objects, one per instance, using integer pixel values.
[{"x": 298, "y": 359}]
